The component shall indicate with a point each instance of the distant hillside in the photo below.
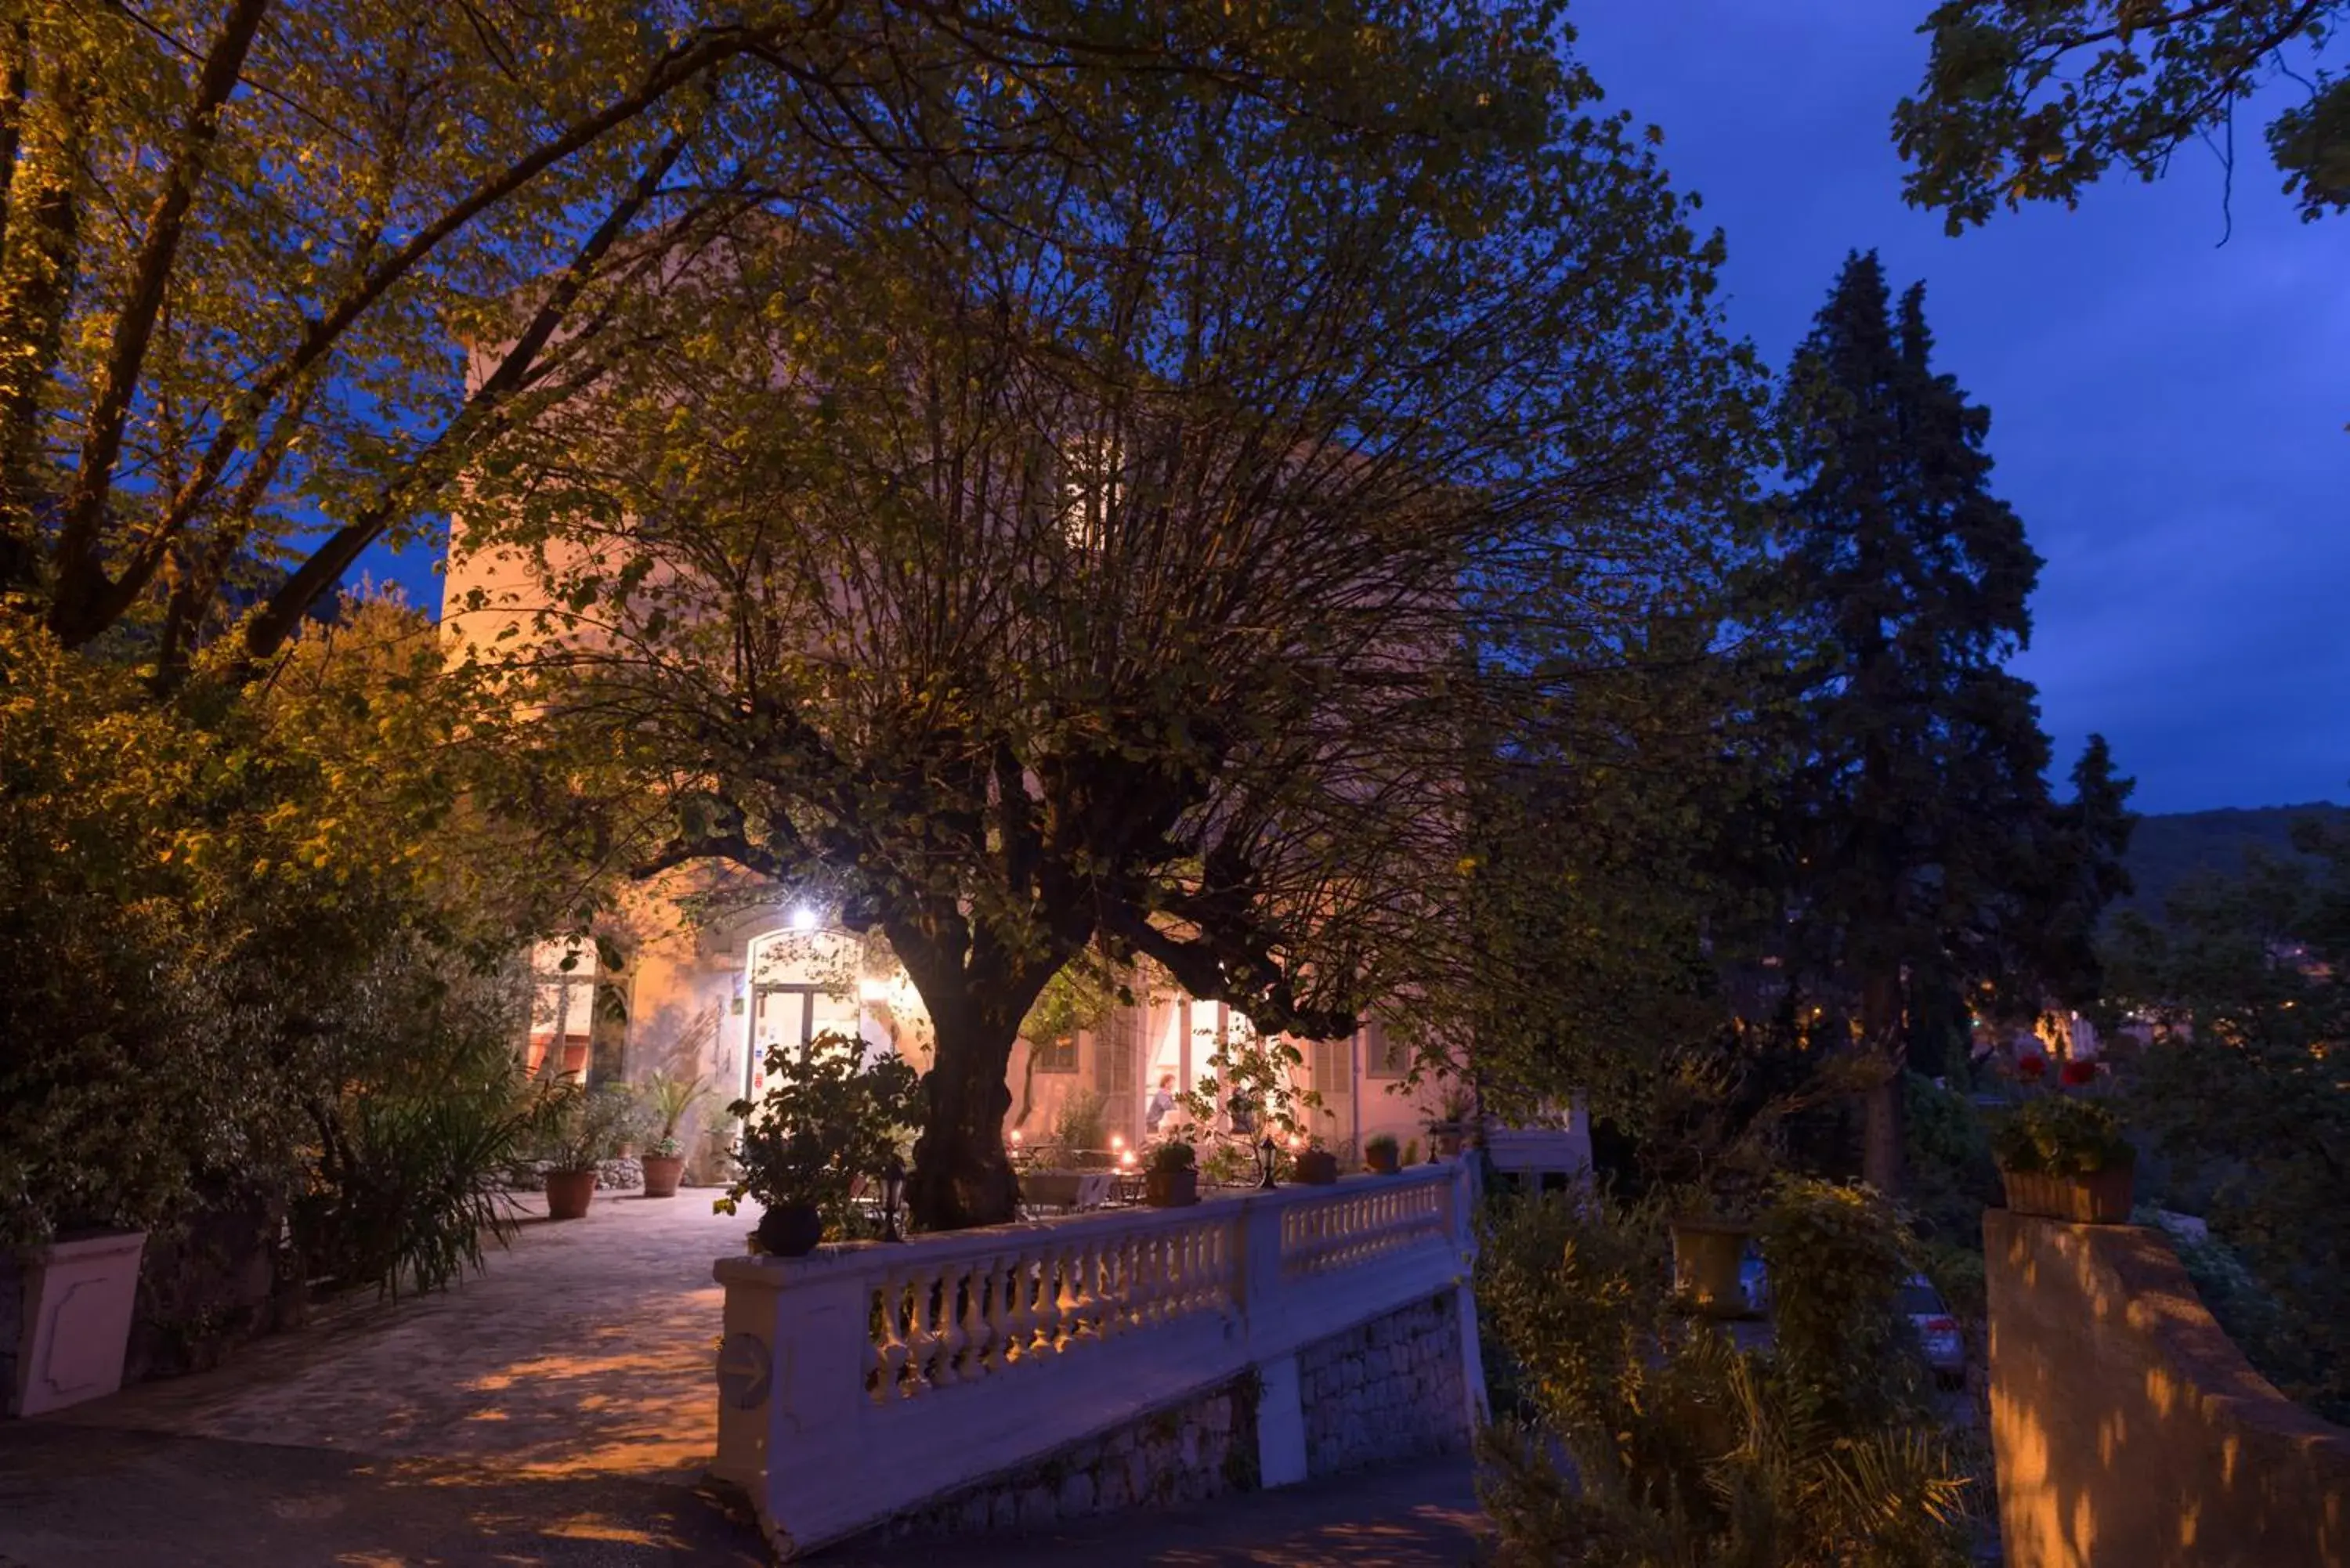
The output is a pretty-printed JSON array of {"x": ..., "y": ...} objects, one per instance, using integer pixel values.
[{"x": 2166, "y": 850}]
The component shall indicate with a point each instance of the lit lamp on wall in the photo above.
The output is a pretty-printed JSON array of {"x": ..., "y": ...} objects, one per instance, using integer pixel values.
[{"x": 893, "y": 1184}]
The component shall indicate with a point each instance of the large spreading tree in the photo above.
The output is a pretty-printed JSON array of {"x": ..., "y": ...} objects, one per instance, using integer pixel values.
[
  {"x": 245, "y": 244},
  {"x": 1139, "y": 552},
  {"x": 1929, "y": 870}
]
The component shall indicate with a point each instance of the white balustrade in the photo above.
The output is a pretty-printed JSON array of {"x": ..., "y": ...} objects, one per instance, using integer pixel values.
[{"x": 867, "y": 1379}]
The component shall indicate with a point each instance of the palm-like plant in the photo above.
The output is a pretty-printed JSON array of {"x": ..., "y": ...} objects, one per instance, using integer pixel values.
[{"x": 669, "y": 1097}]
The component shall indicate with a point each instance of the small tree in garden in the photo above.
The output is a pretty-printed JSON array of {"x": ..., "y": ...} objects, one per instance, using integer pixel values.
[{"x": 1119, "y": 564}]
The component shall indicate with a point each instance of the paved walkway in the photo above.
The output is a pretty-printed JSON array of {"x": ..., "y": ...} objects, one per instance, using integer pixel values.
[
  {"x": 555, "y": 1410},
  {"x": 585, "y": 1350}
]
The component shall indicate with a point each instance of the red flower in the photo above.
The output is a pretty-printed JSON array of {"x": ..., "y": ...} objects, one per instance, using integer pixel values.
[
  {"x": 2077, "y": 1072},
  {"x": 2030, "y": 1068}
]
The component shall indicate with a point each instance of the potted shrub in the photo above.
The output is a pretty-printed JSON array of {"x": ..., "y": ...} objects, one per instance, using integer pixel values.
[
  {"x": 1379, "y": 1153},
  {"x": 669, "y": 1098},
  {"x": 1456, "y": 1106},
  {"x": 1708, "y": 1246},
  {"x": 1171, "y": 1180},
  {"x": 829, "y": 1122},
  {"x": 588, "y": 1128},
  {"x": 792, "y": 1174},
  {"x": 2066, "y": 1159},
  {"x": 1315, "y": 1166}
]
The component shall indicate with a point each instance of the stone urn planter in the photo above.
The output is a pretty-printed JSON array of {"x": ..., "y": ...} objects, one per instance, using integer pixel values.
[
  {"x": 2093, "y": 1197},
  {"x": 1171, "y": 1189},
  {"x": 78, "y": 1298},
  {"x": 569, "y": 1193},
  {"x": 1379, "y": 1154},
  {"x": 790, "y": 1230},
  {"x": 1705, "y": 1255},
  {"x": 662, "y": 1174},
  {"x": 1316, "y": 1167},
  {"x": 1445, "y": 1138}
]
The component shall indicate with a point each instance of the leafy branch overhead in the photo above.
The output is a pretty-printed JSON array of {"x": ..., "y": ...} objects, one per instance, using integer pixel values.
[{"x": 2024, "y": 100}]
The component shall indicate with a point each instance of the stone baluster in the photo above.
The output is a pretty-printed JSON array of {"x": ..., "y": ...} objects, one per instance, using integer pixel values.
[{"x": 888, "y": 1339}]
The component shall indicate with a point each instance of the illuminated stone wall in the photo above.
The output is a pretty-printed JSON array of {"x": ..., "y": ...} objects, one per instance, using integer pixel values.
[{"x": 2130, "y": 1433}]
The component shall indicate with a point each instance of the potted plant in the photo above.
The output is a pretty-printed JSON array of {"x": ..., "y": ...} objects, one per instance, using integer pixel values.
[
  {"x": 1456, "y": 1106},
  {"x": 587, "y": 1129},
  {"x": 669, "y": 1098},
  {"x": 1379, "y": 1153},
  {"x": 1709, "y": 1248},
  {"x": 828, "y": 1121},
  {"x": 792, "y": 1173},
  {"x": 2064, "y": 1157},
  {"x": 1315, "y": 1166},
  {"x": 1172, "y": 1178}
]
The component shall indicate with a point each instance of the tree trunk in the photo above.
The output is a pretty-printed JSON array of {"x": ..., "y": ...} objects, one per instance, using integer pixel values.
[
  {"x": 961, "y": 1176},
  {"x": 1882, "y": 1165}
]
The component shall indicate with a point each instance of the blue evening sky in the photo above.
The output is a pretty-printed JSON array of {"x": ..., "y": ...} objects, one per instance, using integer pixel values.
[{"x": 2167, "y": 412}]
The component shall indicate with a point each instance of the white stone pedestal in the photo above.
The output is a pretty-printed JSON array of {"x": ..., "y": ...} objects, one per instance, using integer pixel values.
[{"x": 78, "y": 1297}]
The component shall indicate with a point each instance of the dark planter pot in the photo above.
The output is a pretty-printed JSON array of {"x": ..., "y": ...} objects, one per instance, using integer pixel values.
[
  {"x": 2100, "y": 1197},
  {"x": 790, "y": 1230},
  {"x": 662, "y": 1173},
  {"x": 1171, "y": 1189},
  {"x": 1382, "y": 1159},
  {"x": 1705, "y": 1255},
  {"x": 1445, "y": 1138},
  {"x": 1316, "y": 1167},
  {"x": 569, "y": 1193}
]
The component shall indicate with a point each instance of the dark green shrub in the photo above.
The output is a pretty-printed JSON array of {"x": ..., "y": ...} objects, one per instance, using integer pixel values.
[{"x": 1683, "y": 1450}]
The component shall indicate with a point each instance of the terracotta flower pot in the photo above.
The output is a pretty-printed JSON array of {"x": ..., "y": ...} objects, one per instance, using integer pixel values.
[
  {"x": 1705, "y": 1255},
  {"x": 1316, "y": 1167},
  {"x": 1171, "y": 1189},
  {"x": 790, "y": 1230},
  {"x": 2100, "y": 1197},
  {"x": 662, "y": 1173},
  {"x": 1382, "y": 1159},
  {"x": 569, "y": 1193}
]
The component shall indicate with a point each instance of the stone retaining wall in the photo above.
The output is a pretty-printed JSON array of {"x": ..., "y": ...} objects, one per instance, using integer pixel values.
[
  {"x": 1193, "y": 1452},
  {"x": 1388, "y": 1390}
]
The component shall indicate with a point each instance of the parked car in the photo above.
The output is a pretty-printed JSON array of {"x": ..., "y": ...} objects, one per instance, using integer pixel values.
[{"x": 1937, "y": 1330}]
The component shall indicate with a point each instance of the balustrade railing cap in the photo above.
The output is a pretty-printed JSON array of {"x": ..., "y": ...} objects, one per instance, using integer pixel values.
[{"x": 836, "y": 1259}]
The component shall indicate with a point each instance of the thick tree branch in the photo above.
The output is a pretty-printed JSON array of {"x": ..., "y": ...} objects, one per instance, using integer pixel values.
[
  {"x": 268, "y": 630},
  {"x": 82, "y": 576}
]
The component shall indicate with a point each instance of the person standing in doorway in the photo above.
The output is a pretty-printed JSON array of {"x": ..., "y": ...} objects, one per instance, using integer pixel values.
[{"x": 1162, "y": 1101}]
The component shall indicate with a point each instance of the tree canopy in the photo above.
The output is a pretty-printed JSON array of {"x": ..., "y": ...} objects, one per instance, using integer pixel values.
[
  {"x": 1136, "y": 550},
  {"x": 245, "y": 245}
]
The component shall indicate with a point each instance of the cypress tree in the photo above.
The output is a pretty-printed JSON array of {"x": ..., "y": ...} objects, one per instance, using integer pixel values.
[{"x": 1930, "y": 870}]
